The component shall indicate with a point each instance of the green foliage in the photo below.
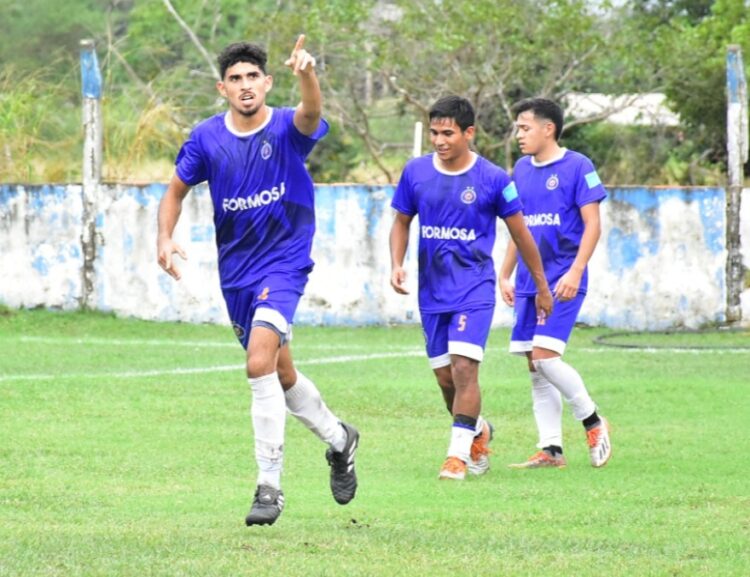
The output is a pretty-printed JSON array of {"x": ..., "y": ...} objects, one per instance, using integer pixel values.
[
  {"x": 28, "y": 130},
  {"x": 693, "y": 51},
  {"x": 642, "y": 154},
  {"x": 661, "y": 12},
  {"x": 381, "y": 65},
  {"x": 34, "y": 33},
  {"x": 334, "y": 157}
]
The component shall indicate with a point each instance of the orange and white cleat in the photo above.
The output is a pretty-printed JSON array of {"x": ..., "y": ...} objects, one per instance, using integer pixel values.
[
  {"x": 600, "y": 449},
  {"x": 453, "y": 468},
  {"x": 480, "y": 451},
  {"x": 541, "y": 460}
]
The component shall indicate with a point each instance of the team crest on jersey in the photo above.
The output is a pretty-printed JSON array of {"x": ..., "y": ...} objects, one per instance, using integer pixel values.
[
  {"x": 553, "y": 182},
  {"x": 266, "y": 150},
  {"x": 238, "y": 330},
  {"x": 264, "y": 294},
  {"x": 469, "y": 195}
]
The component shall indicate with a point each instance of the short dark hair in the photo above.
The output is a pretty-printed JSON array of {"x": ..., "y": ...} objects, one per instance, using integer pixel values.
[
  {"x": 455, "y": 107},
  {"x": 542, "y": 108},
  {"x": 242, "y": 52}
]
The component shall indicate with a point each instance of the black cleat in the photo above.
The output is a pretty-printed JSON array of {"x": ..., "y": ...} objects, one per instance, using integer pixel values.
[
  {"x": 268, "y": 504},
  {"x": 343, "y": 476}
]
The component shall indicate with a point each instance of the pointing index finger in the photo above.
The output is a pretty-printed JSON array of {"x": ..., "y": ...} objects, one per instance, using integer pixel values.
[{"x": 300, "y": 43}]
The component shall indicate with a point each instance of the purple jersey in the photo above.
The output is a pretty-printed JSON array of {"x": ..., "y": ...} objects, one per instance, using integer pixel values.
[
  {"x": 552, "y": 195},
  {"x": 264, "y": 208},
  {"x": 457, "y": 223}
]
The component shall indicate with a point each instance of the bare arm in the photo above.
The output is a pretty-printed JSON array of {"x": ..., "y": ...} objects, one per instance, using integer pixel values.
[
  {"x": 569, "y": 283},
  {"x": 170, "y": 208},
  {"x": 530, "y": 254},
  {"x": 399, "y": 241},
  {"x": 507, "y": 290},
  {"x": 308, "y": 112}
]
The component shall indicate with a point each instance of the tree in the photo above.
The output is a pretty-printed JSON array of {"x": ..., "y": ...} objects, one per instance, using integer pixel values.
[
  {"x": 381, "y": 64},
  {"x": 495, "y": 53},
  {"x": 693, "y": 51}
]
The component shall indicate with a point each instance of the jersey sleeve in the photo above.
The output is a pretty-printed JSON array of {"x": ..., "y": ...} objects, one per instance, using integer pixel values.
[
  {"x": 589, "y": 187},
  {"x": 508, "y": 202},
  {"x": 403, "y": 198},
  {"x": 190, "y": 166},
  {"x": 303, "y": 143}
]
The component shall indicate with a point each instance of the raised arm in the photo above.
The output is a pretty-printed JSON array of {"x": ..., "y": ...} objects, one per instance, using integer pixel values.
[
  {"x": 308, "y": 112},
  {"x": 399, "y": 241},
  {"x": 170, "y": 209}
]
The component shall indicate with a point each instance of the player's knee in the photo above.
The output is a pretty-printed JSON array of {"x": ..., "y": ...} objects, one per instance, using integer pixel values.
[
  {"x": 464, "y": 371},
  {"x": 548, "y": 367},
  {"x": 444, "y": 377},
  {"x": 258, "y": 366}
]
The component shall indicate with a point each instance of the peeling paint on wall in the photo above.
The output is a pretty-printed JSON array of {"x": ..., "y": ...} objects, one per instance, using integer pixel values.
[
  {"x": 660, "y": 262},
  {"x": 40, "y": 258}
]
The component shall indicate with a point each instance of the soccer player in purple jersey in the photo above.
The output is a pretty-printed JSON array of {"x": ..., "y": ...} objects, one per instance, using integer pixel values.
[
  {"x": 561, "y": 192},
  {"x": 458, "y": 196},
  {"x": 253, "y": 157}
]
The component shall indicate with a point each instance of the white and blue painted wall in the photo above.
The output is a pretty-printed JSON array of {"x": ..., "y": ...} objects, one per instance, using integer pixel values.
[{"x": 660, "y": 262}]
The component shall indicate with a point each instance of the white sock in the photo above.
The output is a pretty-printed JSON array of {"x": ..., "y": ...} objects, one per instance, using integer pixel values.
[
  {"x": 461, "y": 440},
  {"x": 269, "y": 417},
  {"x": 480, "y": 426},
  {"x": 567, "y": 380},
  {"x": 547, "y": 405},
  {"x": 305, "y": 402}
]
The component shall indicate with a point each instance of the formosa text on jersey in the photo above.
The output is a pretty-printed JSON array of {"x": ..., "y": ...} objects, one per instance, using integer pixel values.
[
  {"x": 262, "y": 198},
  {"x": 448, "y": 233},
  {"x": 542, "y": 219}
]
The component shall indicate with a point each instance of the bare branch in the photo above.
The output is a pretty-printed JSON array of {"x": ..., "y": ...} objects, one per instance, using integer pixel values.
[
  {"x": 568, "y": 71},
  {"x": 407, "y": 96},
  {"x": 193, "y": 38},
  {"x": 625, "y": 102},
  {"x": 364, "y": 133},
  {"x": 361, "y": 125}
]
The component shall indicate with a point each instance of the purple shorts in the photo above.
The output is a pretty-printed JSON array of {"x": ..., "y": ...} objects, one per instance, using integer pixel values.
[
  {"x": 552, "y": 335},
  {"x": 271, "y": 302},
  {"x": 462, "y": 333}
]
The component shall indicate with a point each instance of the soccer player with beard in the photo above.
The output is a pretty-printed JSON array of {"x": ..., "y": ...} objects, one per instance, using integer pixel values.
[
  {"x": 458, "y": 196},
  {"x": 253, "y": 157},
  {"x": 561, "y": 192}
]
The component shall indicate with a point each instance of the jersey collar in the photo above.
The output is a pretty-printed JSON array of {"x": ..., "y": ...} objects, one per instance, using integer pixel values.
[
  {"x": 233, "y": 130},
  {"x": 551, "y": 160},
  {"x": 441, "y": 170}
]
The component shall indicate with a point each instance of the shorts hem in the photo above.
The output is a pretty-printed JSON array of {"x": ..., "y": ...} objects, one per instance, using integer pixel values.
[
  {"x": 272, "y": 317},
  {"x": 520, "y": 347},
  {"x": 550, "y": 343},
  {"x": 440, "y": 361},
  {"x": 468, "y": 350}
]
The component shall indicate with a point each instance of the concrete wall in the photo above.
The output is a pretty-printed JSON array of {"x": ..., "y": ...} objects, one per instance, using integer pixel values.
[{"x": 660, "y": 262}]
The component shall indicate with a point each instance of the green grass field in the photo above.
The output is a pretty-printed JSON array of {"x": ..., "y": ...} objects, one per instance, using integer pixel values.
[{"x": 126, "y": 450}]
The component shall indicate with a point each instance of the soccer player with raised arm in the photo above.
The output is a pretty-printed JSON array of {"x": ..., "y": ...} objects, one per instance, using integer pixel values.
[
  {"x": 561, "y": 192},
  {"x": 253, "y": 157},
  {"x": 458, "y": 196}
]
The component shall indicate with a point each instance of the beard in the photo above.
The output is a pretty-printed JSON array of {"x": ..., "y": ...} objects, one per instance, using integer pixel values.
[
  {"x": 254, "y": 108},
  {"x": 247, "y": 113}
]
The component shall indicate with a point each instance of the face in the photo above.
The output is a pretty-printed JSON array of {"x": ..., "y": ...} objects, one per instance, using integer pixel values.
[
  {"x": 533, "y": 134},
  {"x": 449, "y": 142},
  {"x": 245, "y": 87}
]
